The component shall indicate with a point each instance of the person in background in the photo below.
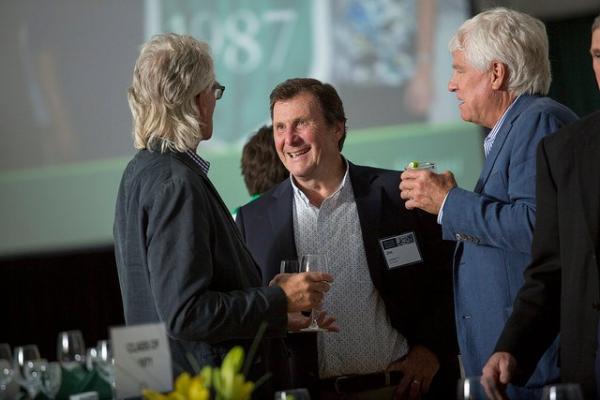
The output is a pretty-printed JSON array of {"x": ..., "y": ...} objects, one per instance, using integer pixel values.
[
  {"x": 179, "y": 255},
  {"x": 501, "y": 75},
  {"x": 261, "y": 167},
  {"x": 392, "y": 296},
  {"x": 560, "y": 294}
]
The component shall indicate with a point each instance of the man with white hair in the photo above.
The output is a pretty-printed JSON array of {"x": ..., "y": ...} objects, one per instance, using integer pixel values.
[
  {"x": 560, "y": 294},
  {"x": 501, "y": 73},
  {"x": 180, "y": 258}
]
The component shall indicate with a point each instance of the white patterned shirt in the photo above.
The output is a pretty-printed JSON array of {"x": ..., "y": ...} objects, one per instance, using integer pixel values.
[{"x": 367, "y": 342}]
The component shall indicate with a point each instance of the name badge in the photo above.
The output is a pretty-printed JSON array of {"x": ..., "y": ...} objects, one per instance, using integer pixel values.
[
  {"x": 142, "y": 359},
  {"x": 401, "y": 250}
]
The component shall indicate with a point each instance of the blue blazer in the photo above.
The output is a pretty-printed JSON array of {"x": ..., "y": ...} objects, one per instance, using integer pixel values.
[
  {"x": 494, "y": 228},
  {"x": 417, "y": 297}
]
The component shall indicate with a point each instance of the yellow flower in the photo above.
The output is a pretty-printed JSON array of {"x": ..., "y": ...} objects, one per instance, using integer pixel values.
[
  {"x": 186, "y": 388},
  {"x": 228, "y": 382}
]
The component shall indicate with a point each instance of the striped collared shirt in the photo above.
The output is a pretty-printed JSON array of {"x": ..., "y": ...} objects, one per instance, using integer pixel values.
[
  {"x": 489, "y": 139},
  {"x": 202, "y": 163}
]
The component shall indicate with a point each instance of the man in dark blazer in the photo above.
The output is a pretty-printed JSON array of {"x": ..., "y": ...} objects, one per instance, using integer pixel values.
[
  {"x": 359, "y": 209},
  {"x": 560, "y": 294},
  {"x": 179, "y": 255}
]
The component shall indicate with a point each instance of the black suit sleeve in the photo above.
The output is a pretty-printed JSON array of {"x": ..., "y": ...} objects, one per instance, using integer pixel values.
[{"x": 535, "y": 320}]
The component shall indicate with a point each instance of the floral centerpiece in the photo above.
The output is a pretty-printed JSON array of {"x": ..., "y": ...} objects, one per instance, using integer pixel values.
[{"x": 227, "y": 382}]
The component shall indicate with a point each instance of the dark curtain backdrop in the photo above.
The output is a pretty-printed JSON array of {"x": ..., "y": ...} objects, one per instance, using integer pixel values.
[{"x": 41, "y": 295}]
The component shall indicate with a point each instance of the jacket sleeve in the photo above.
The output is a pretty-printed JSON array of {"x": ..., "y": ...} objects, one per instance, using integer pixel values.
[
  {"x": 502, "y": 216},
  {"x": 183, "y": 269}
]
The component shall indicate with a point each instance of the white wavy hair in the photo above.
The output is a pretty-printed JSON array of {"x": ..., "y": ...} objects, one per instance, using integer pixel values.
[
  {"x": 513, "y": 38},
  {"x": 596, "y": 23},
  {"x": 169, "y": 73}
]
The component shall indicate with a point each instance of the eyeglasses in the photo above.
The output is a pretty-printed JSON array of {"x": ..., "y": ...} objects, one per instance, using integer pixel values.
[{"x": 218, "y": 89}]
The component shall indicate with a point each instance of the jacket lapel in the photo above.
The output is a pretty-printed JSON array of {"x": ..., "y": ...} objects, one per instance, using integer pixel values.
[
  {"x": 368, "y": 198},
  {"x": 503, "y": 133},
  {"x": 587, "y": 169},
  {"x": 280, "y": 214}
]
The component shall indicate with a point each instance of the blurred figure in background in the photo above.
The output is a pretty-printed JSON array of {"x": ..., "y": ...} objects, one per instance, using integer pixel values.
[
  {"x": 179, "y": 256},
  {"x": 261, "y": 167},
  {"x": 560, "y": 294},
  {"x": 501, "y": 74}
]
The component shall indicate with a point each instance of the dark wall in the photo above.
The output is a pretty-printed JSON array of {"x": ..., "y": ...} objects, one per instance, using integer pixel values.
[
  {"x": 41, "y": 295},
  {"x": 573, "y": 81}
]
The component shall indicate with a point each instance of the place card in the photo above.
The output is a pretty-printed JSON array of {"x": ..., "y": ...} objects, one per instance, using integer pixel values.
[{"x": 142, "y": 359}]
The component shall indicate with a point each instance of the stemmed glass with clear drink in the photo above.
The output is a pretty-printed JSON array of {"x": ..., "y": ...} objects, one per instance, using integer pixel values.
[
  {"x": 562, "y": 391},
  {"x": 26, "y": 360},
  {"x": 6, "y": 371},
  {"x": 313, "y": 263},
  {"x": 70, "y": 349}
]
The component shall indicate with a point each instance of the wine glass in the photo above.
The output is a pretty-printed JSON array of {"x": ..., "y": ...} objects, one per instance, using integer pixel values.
[
  {"x": 562, "y": 391},
  {"x": 289, "y": 267},
  {"x": 104, "y": 361},
  {"x": 293, "y": 394},
  {"x": 471, "y": 388},
  {"x": 26, "y": 359},
  {"x": 70, "y": 349},
  {"x": 311, "y": 263},
  {"x": 50, "y": 379},
  {"x": 6, "y": 370}
]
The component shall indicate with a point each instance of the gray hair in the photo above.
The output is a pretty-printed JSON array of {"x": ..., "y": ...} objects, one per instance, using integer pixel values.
[
  {"x": 513, "y": 38},
  {"x": 596, "y": 23},
  {"x": 169, "y": 73}
]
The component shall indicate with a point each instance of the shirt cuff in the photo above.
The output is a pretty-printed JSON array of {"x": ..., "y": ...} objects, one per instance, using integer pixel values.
[{"x": 441, "y": 213}]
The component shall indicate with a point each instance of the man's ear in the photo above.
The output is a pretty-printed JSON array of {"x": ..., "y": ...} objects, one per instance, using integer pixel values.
[
  {"x": 338, "y": 130},
  {"x": 499, "y": 75}
]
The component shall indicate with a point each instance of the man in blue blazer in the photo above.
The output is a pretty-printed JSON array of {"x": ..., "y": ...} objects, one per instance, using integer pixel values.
[
  {"x": 501, "y": 72},
  {"x": 391, "y": 297}
]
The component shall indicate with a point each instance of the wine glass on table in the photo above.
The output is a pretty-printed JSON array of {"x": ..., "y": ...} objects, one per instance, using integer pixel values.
[
  {"x": 6, "y": 370},
  {"x": 313, "y": 263},
  {"x": 50, "y": 378},
  {"x": 562, "y": 391},
  {"x": 26, "y": 362},
  {"x": 104, "y": 362},
  {"x": 472, "y": 388},
  {"x": 70, "y": 349}
]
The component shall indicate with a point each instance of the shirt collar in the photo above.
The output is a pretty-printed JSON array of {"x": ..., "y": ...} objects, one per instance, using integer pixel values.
[
  {"x": 202, "y": 163},
  {"x": 298, "y": 192}
]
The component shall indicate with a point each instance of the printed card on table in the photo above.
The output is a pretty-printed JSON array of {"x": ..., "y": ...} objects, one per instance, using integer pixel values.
[{"x": 142, "y": 359}]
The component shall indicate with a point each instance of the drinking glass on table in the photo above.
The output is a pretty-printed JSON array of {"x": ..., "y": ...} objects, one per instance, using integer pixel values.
[
  {"x": 6, "y": 370},
  {"x": 562, "y": 391},
  {"x": 104, "y": 361},
  {"x": 26, "y": 362},
  {"x": 292, "y": 394},
  {"x": 471, "y": 388},
  {"x": 70, "y": 349},
  {"x": 50, "y": 378},
  {"x": 313, "y": 263}
]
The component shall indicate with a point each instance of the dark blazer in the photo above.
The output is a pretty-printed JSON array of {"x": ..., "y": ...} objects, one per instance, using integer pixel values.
[
  {"x": 560, "y": 293},
  {"x": 182, "y": 261},
  {"x": 417, "y": 297}
]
